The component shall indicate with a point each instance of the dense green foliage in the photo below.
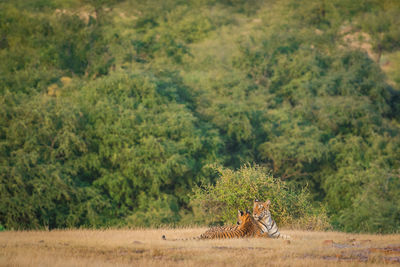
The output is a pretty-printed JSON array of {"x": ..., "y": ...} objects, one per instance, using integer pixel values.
[{"x": 111, "y": 111}]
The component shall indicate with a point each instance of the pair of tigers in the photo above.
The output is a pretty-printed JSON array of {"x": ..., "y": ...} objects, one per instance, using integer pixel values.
[{"x": 260, "y": 224}]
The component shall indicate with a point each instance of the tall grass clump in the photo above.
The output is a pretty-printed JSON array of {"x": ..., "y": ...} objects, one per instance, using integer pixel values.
[{"x": 218, "y": 203}]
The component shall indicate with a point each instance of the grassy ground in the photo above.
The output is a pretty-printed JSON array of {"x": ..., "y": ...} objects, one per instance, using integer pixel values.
[{"x": 146, "y": 248}]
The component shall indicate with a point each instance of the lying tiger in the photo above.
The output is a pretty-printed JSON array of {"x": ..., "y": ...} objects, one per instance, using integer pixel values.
[
  {"x": 263, "y": 217},
  {"x": 260, "y": 224},
  {"x": 246, "y": 227}
]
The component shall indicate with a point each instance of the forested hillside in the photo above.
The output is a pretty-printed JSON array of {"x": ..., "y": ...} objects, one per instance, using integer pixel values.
[{"x": 113, "y": 111}]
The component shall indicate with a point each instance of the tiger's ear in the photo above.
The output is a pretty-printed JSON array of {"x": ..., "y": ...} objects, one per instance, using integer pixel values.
[
  {"x": 240, "y": 213},
  {"x": 255, "y": 203},
  {"x": 268, "y": 202}
]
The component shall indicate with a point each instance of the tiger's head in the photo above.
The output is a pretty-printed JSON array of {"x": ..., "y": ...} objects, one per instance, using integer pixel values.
[
  {"x": 260, "y": 209},
  {"x": 243, "y": 217}
]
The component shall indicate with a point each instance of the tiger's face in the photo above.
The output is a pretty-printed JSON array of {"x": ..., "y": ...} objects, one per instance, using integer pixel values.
[
  {"x": 260, "y": 209},
  {"x": 243, "y": 217}
]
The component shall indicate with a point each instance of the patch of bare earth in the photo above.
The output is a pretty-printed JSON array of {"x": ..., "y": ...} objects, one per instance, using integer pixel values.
[
  {"x": 358, "y": 40},
  {"x": 146, "y": 248}
]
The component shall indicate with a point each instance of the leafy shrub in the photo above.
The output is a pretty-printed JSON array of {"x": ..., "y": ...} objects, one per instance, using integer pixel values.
[
  {"x": 155, "y": 212},
  {"x": 376, "y": 208},
  {"x": 237, "y": 190}
]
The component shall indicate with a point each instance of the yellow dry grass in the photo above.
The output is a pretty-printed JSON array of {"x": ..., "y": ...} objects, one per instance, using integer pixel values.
[{"x": 146, "y": 248}]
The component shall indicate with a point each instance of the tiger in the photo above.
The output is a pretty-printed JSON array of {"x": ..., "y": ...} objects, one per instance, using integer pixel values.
[
  {"x": 223, "y": 228},
  {"x": 246, "y": 227},
  {"x": 263, "y": 217}
]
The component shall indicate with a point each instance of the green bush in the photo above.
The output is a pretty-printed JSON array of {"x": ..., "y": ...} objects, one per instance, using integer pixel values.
[
  {"x": 218, "y": 203},
  {"x": 155, "y": 212},
  {"x": 377, "y": 207}
]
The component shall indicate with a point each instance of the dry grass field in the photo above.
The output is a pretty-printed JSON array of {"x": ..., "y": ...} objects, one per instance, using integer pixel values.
[{"x": 146, "y": 248}]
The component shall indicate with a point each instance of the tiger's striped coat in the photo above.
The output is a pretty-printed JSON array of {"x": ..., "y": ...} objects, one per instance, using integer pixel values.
[
  {"x": 247, "y": 227},
  {"x": 263, "y": 217}
]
